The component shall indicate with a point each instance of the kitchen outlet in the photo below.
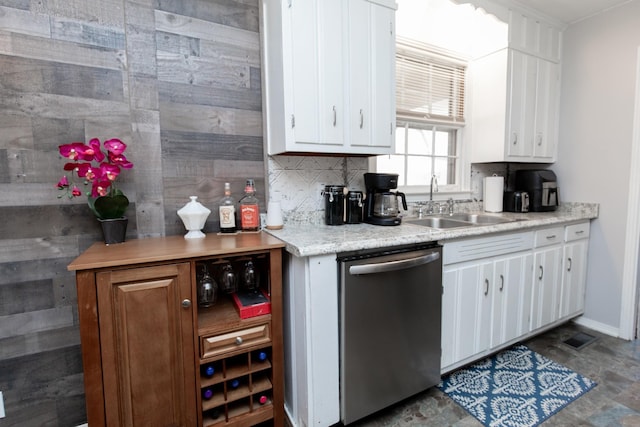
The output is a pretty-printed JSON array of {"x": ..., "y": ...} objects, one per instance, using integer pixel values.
[{"x": 1, "y": 405}]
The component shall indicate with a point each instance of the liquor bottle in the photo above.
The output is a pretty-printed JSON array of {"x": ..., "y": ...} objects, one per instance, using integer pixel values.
[
  {"x": 227, "y": 209},
  {"x": 249, "y": 209}
]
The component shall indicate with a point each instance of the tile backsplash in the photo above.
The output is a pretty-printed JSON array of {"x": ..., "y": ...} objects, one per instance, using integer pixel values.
[{"x": 297, "y": 182}]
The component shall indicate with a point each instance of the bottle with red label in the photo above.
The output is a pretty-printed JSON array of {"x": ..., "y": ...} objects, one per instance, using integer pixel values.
[{"x": 249, "y": 209}]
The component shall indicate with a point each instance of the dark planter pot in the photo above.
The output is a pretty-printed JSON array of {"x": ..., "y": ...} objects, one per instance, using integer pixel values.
[{"x": 114, "y": 230}]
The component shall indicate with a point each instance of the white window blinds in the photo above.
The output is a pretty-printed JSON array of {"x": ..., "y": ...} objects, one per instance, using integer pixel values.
[{"x": 429, "y": 84}]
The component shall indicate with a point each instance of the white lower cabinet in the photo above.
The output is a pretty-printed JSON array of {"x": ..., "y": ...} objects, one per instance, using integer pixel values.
[
  {"x": 511, "y": 298},
  {"x": 499, "y": 290},
  {"x": 486, "y": 294},
  {"x": 574, "y": 270},
  {"x": 545, "y": 302}
]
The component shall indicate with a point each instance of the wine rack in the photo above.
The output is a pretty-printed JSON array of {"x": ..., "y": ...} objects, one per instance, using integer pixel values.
[{"x": 240, "y": 390}]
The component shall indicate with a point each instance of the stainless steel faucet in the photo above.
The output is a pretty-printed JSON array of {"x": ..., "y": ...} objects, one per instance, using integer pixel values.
[{"x": 434, "y": 182}]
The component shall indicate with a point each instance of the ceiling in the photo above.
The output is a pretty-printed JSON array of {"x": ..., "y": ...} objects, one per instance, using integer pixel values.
[{"x": 569, "y": 11}]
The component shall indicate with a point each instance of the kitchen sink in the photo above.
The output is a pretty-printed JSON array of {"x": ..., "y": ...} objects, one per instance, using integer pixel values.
[
  {"x": 478, "y": 218},
  {"x": 458, "y": 220}
]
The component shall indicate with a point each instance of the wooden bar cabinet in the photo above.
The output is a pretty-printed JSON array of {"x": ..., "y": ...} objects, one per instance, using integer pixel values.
[{"x": 146, "y": 341}]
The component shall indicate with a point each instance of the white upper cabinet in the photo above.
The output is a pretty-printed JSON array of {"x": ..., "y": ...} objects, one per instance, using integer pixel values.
[
  {"x": 328, "y": 76},
  {"x": 515, "y": 95}
]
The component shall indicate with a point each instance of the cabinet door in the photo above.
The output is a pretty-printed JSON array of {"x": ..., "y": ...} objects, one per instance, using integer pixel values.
[
  {"x": 317, "y": 71},
  {"x": 546, "y": 110},
  {"x": 511, "y": 298},
  {"x": 371, "y": 64},
  {"x": 574, "y": 278},
  {"x": 147, "y": 346},
  {"x": 522, "y": 105},
  {"x": 466, "y": 314},
  {"x": 545, "y": 298}
]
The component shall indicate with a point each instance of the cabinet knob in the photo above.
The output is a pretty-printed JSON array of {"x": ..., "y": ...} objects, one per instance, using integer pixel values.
[
  {"x": 186, "y": 303},
  {"x": 239, "y": 340}
]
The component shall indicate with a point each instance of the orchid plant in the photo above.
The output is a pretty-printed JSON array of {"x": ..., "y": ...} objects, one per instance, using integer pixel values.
[{"x": 100, "y": 170}]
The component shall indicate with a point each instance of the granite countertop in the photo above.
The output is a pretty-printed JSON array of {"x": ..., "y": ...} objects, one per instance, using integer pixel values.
[{"x": 304, "y": 239}]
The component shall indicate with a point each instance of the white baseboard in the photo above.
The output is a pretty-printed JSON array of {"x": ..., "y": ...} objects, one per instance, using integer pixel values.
[
  {"x": 598, "y": 326},
  {"x": 83, "y": 425}
]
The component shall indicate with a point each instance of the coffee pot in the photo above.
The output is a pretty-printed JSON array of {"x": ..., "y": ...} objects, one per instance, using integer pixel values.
[
  {"x": 381, "y": 204},
  {"x": 385, "y": 204}
]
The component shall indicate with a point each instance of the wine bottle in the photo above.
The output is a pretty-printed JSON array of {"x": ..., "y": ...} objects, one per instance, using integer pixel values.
[
  {"x": 208, "y": 370},
  {"x": 227, "y": 210},
  {"x": 261, "y": 356},
  {"x": 234, "y": 383},
  {"x": 263, "y": 399},
  {"x": 207, "y": 393},
  {"x": 249, "y": 209}
]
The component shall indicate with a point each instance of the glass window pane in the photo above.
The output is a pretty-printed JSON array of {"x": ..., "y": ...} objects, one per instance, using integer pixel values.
[
  {"x": 420, "y": 141},
  {"x": 443, "y": 171},
  {"x": 392, "y": 164},
  {"x": 443, "y": 143},
  {"x": 418, "y": 170},
  {"x": 400, "y": 139}
]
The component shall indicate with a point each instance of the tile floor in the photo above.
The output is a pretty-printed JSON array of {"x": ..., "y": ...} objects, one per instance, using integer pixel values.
[{"x": 613, "y": 363}]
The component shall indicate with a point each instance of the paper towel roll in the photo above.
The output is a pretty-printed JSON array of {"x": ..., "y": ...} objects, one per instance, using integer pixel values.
[{"x": 493, "y": 193}]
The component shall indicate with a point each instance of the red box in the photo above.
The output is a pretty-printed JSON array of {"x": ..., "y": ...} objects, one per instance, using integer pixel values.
[{"x": 252, "y": 304}]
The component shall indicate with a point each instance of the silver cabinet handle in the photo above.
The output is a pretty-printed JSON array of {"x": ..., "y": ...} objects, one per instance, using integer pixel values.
[
  {"x": 501, "y": 282},
  {"x": 186, "y": 303},
  {"x": 570, "y": 263},
  {"x": 553, "y": 236},
  {"x": 515, "y": 138},
  {"x": 541, "y": 273},
  {"x": 361, "y": 119},
  {"x": 335, "y": 116},
  {"x": 239, "y": 340},
  {"x": 486, "y": 286}
]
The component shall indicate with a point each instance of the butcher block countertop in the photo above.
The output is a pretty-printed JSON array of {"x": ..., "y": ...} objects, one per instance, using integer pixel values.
[{"x": 157, "y": 249}]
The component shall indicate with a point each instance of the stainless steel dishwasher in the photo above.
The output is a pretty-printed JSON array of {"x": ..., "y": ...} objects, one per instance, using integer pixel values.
[{"x": 390, "y": 315}]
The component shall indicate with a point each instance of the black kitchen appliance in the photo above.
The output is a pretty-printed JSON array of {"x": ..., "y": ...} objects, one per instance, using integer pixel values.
[
  {"x": 381, "y": 204},
  {"x": 542, "y": 186},
  {"x": 516, "y": 201}
]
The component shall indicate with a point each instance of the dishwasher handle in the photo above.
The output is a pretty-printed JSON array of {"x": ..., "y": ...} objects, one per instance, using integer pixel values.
[{"x": 383, "y": 267}]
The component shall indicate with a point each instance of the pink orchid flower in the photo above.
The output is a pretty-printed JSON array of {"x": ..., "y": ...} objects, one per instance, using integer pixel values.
[
  {"x": 75, "y": 192},
  {"x": 109, "y": 171},
  {"x": 115, "y": 146},
  {"x": 63, "y": 183}
]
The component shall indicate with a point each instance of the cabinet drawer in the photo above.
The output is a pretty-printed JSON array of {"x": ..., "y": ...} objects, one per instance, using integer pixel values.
[
  {"x": 220, "y": 344},
  {"x": 549, "y": 236},
  {"x": 576, "y": 231}
]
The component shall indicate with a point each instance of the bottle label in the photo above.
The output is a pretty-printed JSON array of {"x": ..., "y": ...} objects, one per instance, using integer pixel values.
[
  {"x": 250, "y": 216},
  {"x": 227, "y": 217}
]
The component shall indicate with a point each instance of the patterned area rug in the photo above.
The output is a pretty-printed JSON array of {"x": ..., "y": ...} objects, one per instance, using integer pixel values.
[{"x": 515, "y": 388}]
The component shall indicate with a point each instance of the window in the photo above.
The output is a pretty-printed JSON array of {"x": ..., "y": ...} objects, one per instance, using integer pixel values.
[{"x": 429, "y": 115}]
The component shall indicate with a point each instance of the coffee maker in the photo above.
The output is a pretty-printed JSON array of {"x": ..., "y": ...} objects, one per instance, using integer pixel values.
[{"x": 381, "y": 204}]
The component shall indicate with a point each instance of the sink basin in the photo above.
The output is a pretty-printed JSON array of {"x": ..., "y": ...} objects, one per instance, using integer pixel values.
[
  {"x": 439, "y": 222},
  {"x": 458, "y": 220},
  {"x": 479, "y": 218}
]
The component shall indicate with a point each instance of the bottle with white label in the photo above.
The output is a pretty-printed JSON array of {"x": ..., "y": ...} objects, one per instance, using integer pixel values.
[
  {"x": 227, "y": 209},
  {"x": 249, "y": 209}
]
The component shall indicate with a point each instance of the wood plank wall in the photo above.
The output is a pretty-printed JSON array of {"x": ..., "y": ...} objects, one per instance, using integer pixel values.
[{"x": 179, "y": 81}]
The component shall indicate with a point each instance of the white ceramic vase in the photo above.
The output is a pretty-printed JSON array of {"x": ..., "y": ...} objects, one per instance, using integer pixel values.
[{"x": 194, "y": 215}]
